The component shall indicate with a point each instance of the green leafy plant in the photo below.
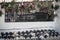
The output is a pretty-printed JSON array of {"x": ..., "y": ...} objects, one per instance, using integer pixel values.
[
  {"x": 14, "y": 6},
  {"x": 27, "y": 9},
  {"x": 4, "y": 5},
  {"x": 56, "y": 7},
  {"x": 38, "y": 5},
  {"x": 12, "y": 3}
]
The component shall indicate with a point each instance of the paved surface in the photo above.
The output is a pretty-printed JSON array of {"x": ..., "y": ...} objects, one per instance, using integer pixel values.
[{"x": 52, "y": 38}]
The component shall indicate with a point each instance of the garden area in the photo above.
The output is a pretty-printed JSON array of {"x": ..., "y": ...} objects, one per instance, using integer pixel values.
[{"x": 29, "y": 11}]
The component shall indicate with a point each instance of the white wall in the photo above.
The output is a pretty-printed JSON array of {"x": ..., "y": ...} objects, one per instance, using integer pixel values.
[{"x": 9, "y": 25}]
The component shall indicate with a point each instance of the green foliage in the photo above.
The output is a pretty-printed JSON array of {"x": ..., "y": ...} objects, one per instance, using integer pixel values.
[
  {"x": 38, "y": 5},
  {"x": 12, "y": 3},
  {"x": 16, "y": 8},
  {"x": 27, "y": 9},
  {"x": 56, "y": 7},
  {"x": 4, "y": 5}
]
